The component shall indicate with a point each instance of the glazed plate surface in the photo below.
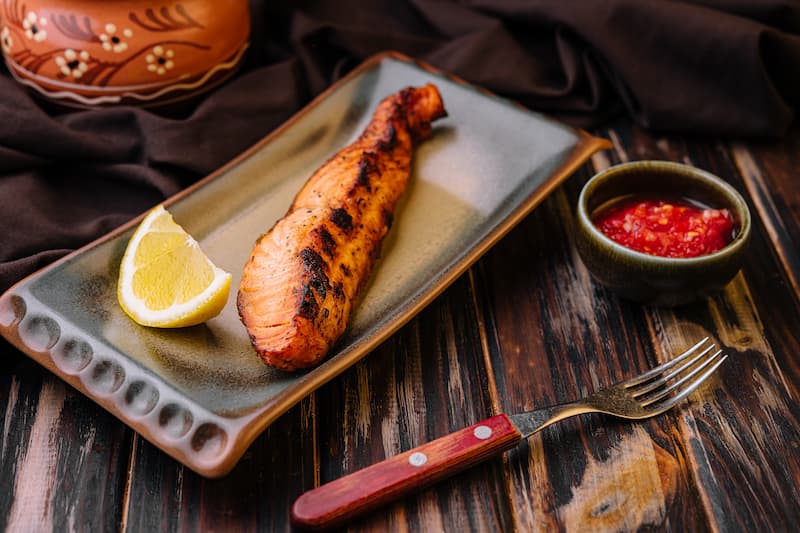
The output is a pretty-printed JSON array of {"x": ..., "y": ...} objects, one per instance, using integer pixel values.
[{"x": 201, "y": 394}]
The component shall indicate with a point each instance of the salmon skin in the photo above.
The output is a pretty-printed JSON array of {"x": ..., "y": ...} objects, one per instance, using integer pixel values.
[{"x": 305, "y": 275}]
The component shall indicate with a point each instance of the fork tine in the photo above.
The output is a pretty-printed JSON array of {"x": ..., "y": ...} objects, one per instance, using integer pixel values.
[
  {"x": 663, "y": 392},
  {"x": 671, "y": 401},
  {"x": 666, "y": 366},
  {"x": 646, "y": 387}
]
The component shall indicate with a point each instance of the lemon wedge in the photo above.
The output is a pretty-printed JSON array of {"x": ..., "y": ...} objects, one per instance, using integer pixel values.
[{"x": 165, "y": 279}]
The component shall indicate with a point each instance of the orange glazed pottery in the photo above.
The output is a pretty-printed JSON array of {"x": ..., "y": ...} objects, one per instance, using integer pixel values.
[{"x": 91, "y": 53}]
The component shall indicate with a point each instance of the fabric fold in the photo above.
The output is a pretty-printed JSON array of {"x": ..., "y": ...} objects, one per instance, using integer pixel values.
[{"x": 716, "y": 67}]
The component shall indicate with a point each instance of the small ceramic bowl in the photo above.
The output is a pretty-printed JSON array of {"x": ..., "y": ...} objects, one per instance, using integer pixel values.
[
  {"x": 648, "y": 278},
  {"x": 92, "y": 53}
]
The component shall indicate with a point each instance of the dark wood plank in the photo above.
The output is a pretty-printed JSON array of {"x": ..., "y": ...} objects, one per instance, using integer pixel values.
[
  {"x": 556, "y": 337},
  {"x": 769, "y": 174},
  {"x": 426, "y": 381},
  {"x": 758, "y": 319},
  {"x": 743, "y": 439},
  {"x": 716, "y": 461},
  {"x": 256, "y": 496},
  {"x": 63, "y": 460},
  {"x": 740, "y": 437}
]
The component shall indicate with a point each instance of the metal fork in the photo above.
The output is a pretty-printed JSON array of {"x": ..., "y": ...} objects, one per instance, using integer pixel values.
[{"x": 643, "y": 396}]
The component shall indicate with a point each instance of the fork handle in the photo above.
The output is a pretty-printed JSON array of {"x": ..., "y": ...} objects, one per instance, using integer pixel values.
[{"x": 367, "y": 489}]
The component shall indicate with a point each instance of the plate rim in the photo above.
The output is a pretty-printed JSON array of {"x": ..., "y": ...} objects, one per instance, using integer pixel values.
[{"x": 243, "y": 430}]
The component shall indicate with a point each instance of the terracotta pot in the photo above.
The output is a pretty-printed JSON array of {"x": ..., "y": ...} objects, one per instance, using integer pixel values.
[{"x": 97, "y": 52}]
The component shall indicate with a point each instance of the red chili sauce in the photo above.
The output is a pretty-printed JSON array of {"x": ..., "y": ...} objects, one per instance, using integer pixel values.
[{"x": 666, "y": 228}]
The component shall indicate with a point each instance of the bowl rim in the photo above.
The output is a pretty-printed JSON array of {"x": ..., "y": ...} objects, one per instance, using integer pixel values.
[{"x": 737, "y": 244}]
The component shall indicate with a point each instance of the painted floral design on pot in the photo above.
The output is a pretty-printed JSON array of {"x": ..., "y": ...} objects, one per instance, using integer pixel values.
[
  {"x": 73, "y": 63},
  {"x": 160, "y": 61},
  {"x": 34, "y": 27},
  {"x": 113, "y": 42},
  {"x": 94, "y": 52}
]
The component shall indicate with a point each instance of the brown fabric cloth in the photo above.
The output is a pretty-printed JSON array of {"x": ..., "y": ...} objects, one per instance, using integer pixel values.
[{"x": 726, "y": 67}]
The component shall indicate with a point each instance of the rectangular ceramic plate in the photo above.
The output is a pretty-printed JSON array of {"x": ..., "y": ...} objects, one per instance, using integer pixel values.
[{"x": 201, "y": 394}]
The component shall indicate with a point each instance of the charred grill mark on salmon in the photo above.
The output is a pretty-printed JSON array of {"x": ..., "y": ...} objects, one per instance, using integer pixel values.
[
  {"x": 328, "y": 243},
  {"x": 342, "y": 219},
  {"x": 305, "y": 275},
  {"x": 387, "y": 142},
  {"x": 388, "y": 218},
  {"x": 367, "y": 166}
]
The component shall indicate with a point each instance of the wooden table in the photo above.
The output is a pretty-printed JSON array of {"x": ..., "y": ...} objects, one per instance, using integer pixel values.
[{"x": 524, "y": 328}]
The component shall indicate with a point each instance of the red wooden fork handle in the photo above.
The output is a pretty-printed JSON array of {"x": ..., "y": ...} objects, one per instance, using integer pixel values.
[{"x": 367, "y": 489}]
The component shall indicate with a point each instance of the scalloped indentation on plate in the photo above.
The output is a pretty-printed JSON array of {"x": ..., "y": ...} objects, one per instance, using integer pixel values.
[
  {"x": 175, "y": 421},
  {"x": 105, "y": 377},
  {"x": 209, "y": 440},
  {"x": 72, "y": 355},
  {"x": 12, "y": 310},
  {"x": 39, "y": 333},
  {"x": 140, "y": 398}
]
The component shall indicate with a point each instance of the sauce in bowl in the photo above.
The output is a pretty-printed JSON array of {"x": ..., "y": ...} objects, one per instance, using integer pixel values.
[{"x": 666, "y": 228}]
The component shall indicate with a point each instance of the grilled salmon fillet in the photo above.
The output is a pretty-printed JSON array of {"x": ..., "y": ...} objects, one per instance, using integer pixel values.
[{"x": 305, "y": 275}]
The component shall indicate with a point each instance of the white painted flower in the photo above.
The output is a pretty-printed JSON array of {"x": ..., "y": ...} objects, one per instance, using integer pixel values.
[
  {"x": 113, "y": 42},
  {"x": 160, "y": 61},
  {"x": 6, "y": 40},
  {"x": 73, "y": 63},
  {"x": 34, "y": 27}
]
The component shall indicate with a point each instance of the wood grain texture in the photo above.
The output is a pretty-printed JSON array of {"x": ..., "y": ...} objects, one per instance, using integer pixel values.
[
  {"x": 63, "y": 459},
  {"x": 525, "y": 328},
  {"x": 257, "y": 495},
  {"x": 559, "y": 344},
  {"x": 425, "y": 382},
  {"x": 586, "y": 338}
]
